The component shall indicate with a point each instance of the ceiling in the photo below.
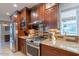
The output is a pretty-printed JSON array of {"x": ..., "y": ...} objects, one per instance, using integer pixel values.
[{"x": 8, "y": 7}]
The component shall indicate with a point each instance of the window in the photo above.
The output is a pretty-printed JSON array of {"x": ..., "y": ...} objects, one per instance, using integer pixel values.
[{"x": 69, "y": 22}]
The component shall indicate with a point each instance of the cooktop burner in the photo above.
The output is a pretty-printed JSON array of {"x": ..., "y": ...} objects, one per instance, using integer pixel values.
[{"x": 35, "y": 43}]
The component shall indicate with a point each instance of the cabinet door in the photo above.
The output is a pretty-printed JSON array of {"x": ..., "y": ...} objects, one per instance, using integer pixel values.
[
  {"x": 34, "y": 15},
  {"x": 41, "y": 11},
  {"x": 37, "y": 13},
  {"x": 7, "y": 38},
  {"x": 51, "y": 15},
  {"x": 22, "y": 45},
  {"x": 19, "y": 44},
  {"x": 52, "y": 51}
]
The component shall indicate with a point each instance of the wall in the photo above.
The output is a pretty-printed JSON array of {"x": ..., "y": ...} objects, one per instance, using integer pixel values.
[
  {"x": 3, "y": 32},
  {"x": 0, "y": 36},
  {"x": 64, "y": 6}
]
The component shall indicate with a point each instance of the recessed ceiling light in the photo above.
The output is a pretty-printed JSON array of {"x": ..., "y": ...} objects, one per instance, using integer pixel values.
[
  {"x": 15, "y": 5},
  {"x": 7, "y": 13}
]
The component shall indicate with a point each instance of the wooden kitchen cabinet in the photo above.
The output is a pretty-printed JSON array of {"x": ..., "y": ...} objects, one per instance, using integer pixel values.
[
  {"x": 46, "y": 50},
  {"x": 38, "y": 12},
  {"x": 41, "y": 12},
  {"x": 22, "y": 45},
  {"x": 23, "y": 14},
  {"x": 51, "y": 15},
  {"x": 48, "y": 16},
  {"x": 7, "y": 38},
  {"x": 34, "y": 15}
]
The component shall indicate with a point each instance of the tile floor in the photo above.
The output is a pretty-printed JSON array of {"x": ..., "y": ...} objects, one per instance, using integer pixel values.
[{"x": 5, "y": 50}]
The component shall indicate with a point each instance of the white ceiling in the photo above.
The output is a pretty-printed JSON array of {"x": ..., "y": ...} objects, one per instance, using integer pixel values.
[{"x": 8, "y": 7}]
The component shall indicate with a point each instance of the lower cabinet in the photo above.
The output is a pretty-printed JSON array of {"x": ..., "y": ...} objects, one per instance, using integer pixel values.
[
  {"x": 7, "y": 38},
  {"x": 46, "y": 50},
  {"x": 22, "y": 45}
]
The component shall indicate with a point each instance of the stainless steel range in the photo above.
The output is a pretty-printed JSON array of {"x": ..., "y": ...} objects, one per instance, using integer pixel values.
[{"x": 33, "y": 46}]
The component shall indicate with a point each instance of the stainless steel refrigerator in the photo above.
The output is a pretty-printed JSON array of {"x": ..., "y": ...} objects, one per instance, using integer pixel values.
[{"x": 13, "y": 37}]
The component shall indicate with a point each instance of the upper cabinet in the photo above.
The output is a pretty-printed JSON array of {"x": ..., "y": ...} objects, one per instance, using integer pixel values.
[
  {"x": 23, "y": 21},
  {"x": 51, "y": 16},
  {"x": 34, "y": 15},
  {"x": 46, "y": 13},
  {"x": 41, "y": 12},
  {"x": 37, "y": 12}
]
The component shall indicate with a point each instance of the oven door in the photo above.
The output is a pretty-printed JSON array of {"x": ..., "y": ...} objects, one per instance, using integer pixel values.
[{"x": 32, "y": 50}]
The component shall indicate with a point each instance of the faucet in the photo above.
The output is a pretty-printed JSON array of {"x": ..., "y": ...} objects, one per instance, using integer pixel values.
[{"x": 53, "y": 38}]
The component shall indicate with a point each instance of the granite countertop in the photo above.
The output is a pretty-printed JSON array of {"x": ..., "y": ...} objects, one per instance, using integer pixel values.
[
  {"x": 23, "y": 37},
  {"x": 62, "y": 44}
]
